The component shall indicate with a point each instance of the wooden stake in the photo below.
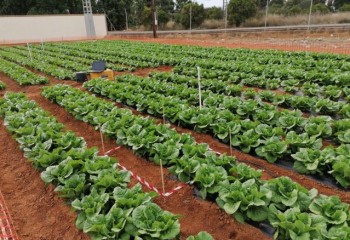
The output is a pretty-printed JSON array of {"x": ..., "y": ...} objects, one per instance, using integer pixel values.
[
  {"x": 30, "y": 52},
  {"x": 162, "y": 175},
  {"x": 229, "y": 132},
  {"x": 103, "y": 145},
  {"x": 199, "y": 87},
  {"x": 163, "y": 114}
]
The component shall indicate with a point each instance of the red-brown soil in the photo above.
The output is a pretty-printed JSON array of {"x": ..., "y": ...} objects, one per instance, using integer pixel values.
[{"x": 38, "y": 212}]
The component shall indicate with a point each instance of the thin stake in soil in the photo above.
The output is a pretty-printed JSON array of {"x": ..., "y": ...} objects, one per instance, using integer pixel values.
[
  {"x": 42, "y": 45},
  {"x": 199, "y": 87},
  {"x": 162, "y": 175},
  {"x": 30, "y": 52},
  {"x": 229, "y": 132},
  {"x": 103, "y": 144}
]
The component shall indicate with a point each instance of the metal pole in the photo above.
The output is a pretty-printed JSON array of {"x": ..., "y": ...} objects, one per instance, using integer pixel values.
[
  {"x": 267, "y": 12},
  {"x": 154, "y": 27},
  {"x": 191, "y": 16},
  {"x": 308, "y": 24},
  {"x": 226, "y": 14},
  {"x": 126, "y": 20}
]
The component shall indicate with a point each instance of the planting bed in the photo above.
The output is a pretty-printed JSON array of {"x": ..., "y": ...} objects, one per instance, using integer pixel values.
[{"x": 253, "y": 110}]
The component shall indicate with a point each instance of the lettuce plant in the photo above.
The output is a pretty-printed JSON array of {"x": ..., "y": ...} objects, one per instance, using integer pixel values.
[
  {"x": 126, "y": 198},
  {"x": 208, "y": 178},
  {"x": 341, "y": 170},
  {"x": 288, "y": 194},
  {"x": 107, "y": 226},
  {"x": 336, "y": 232},
  {"x": 290, "y": 119},
  {"x": 243, "y": 172},
  {"x": 331, "y": 208},
  {"x": 297, "y": 141},
  {"x": 245, "y": 200},
  {"x": 313, "y": 161},
  {"x": 344, "y": 136},
  {"x": 319, "y": 126},
  {"x": 331, "y": 91},
  {"x": 272, "y": 149},
  {"x": 267, "y": 95},
  {"x": 327, "y": 106},
  {"x": 266, "y": 131},
  {"x": 296, "y": 225},
  {"x": 151, "y": 222},
  {"x": 90, "y": 206},
  {"x": 248, "y": 140},
  {"x": 345, "y": 111}
]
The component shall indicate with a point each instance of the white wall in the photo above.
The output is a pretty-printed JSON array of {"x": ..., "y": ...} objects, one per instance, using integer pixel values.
[{"x": 35, "y": 28}]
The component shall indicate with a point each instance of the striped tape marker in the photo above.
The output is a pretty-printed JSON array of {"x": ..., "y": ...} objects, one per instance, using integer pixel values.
[
  {"x": 143, "y": 181},
  {"x": 7, "y": 231}
]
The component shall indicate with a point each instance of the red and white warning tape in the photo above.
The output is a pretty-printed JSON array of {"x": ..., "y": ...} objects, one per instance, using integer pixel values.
[
  {"x": 150, "y": 186},
  {"x": 144, "y": 182},
  {"x": 7, "y": 231}
]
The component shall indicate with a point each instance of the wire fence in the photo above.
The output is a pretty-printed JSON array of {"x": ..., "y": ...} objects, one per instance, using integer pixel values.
[{"x": 307, "y": 12}]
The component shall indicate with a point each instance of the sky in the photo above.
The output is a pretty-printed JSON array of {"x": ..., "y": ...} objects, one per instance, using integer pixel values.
[{"x": 210, "y": 3}]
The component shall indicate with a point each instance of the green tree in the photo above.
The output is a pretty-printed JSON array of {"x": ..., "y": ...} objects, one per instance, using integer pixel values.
[
  {"x": 165, "y": 11},
  {"x": 214, "y": 13},
  {"x": 340, "y": 3},
  {"x": 198, "y": 15},
  {"x": 320, "y": 8},
  {"x": 15, "y": 7},
  {"x": 240, "y": 10},
  {"x": 180, "y": 4},
  {"x": 344, "y": 8},
  {"x": 278, "y": 2},
  {"x": 56, "y": 7},
  {"x": 136, "y": 12},
  {"x": 147, "y": 17},
  {"x": 115, "y": 10},
  {"x": 261, "y": 4},
  {"x": 167, "y": 6}
]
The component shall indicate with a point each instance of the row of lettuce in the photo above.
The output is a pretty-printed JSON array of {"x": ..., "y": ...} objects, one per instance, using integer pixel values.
[
  {"x": 315, "y": 104},
  {"x": 36, "y": 63},
  {"x": 294, "y": 211},
  {"x": 22, "y": 75},
  {"x": 335, "y": 89},
  {"x": 247, "y": 125},
  {"x": 323, "y": 69},
  {"x": 92, "y": 184}
]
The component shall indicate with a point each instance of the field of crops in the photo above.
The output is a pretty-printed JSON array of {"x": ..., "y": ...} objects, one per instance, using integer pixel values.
[{"x": 252, "y": 144}]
